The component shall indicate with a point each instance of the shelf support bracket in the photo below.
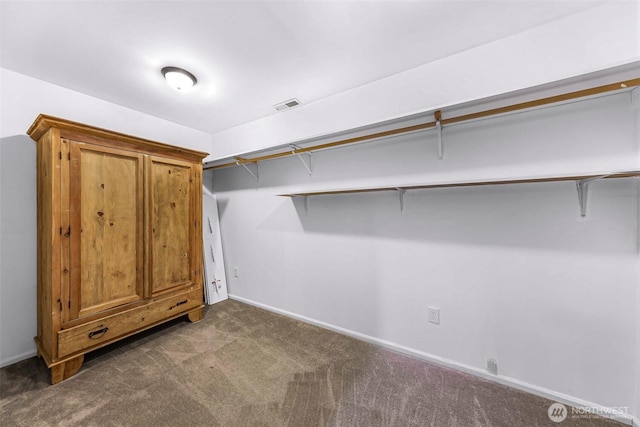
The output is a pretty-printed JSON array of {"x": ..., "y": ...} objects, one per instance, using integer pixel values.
[
  {"x": 582, "y": 186},
  {"x": 255, "y": 175},
  {"x": 299, "y": 156},
  {"x": 305, "y": 201},
  {"x": 401, "y": 195},
  {"x": 438, "y": 117}
]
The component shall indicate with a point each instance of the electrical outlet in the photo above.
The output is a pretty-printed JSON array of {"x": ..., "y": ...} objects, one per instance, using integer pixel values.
[
  {"x": 236, "y": 272},
  {"x": 492, "y": 366},
  {"x": 433, "y": 315}
]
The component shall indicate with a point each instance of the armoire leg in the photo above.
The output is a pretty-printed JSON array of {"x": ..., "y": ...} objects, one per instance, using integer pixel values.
[
  {"x": 195, "y": 316},
  {"x": 66, "y": 369}
]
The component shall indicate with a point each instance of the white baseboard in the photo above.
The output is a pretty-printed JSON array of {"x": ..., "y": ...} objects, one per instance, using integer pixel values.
[
  {"x": 508, "y": 381},
  {"x": 18, "y": 358}
]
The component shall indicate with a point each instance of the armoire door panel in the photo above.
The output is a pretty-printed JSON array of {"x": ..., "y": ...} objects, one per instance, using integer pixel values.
[
  {"x": 171, "y": 217},
  {"x": 107, "y": 214}
]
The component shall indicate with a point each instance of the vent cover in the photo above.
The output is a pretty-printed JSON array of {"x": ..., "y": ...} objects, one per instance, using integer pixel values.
[{"x": 286, "y": 105}]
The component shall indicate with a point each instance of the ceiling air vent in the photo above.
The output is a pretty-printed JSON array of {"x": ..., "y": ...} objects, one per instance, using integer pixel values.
[{"x": 286, "y": 105}]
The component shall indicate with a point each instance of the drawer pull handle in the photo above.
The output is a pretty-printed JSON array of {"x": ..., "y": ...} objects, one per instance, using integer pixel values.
[
  {"x": 94, "y": 335},
  {"x": 181, "y": 302}
]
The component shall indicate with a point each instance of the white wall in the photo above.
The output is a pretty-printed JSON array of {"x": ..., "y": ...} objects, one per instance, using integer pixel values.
[
  {"x": 21, "y": 99},
  {"x": 636, "y": 410},
  {"x": 517, "y": 274},
  {"x": 595, "y": 39}
]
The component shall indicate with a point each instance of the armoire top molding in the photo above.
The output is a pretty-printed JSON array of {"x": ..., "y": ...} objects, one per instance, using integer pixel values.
[{"x": 70, "y": 130}]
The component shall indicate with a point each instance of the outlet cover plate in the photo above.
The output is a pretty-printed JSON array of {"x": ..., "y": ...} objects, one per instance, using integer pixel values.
[
  {"x": 433, "y": 315},
  {"x": 492, "y": 366}
]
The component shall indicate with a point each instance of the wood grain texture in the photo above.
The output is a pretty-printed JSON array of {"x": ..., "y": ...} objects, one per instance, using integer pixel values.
[
  {"x": 97, "y": 194},
  {"x": 195, "y": 316},
  {"x": 78, "y": 131},
  {"x": 106, "y": 236},
  {"x": 64, "y": 230},
  {"x": 48, "y": 253},
  {"x": 172, "y": 214},
  {"x": 108, "y": 329},
  {"x": 44, "y": 218},
  {"x": 196, "y": 240},
  {"x": 66, "y": 369}
]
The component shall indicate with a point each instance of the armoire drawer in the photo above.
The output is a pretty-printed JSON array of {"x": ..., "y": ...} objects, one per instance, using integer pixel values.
[{"x": 104, "y": 330}]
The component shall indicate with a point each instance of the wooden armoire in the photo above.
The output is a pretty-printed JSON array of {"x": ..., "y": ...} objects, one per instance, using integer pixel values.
[{"x": 119, "y": 238}]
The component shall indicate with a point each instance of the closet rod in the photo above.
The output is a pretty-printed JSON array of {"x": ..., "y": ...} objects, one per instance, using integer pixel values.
[{"x": 444, "y": 121}]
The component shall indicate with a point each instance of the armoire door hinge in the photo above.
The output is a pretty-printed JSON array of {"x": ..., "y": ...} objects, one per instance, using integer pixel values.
[
  {"x": 60, "y": 305},
  {"x": 69, "y": 303},
  {"x": 60, "y": 155},
  {"x": 61, "y": 231},
  {"x": 69, "y": 156}
]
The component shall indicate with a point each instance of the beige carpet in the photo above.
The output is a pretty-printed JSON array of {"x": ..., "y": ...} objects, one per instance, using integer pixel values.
[{"x": 243, "y": 366}]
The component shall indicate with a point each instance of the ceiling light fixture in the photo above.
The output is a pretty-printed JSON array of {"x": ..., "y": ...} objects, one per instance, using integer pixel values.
[{"x": 178, "y": 78}]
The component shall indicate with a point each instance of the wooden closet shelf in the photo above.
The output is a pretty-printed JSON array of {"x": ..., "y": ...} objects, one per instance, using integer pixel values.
[{"x": 577, "y": 178}]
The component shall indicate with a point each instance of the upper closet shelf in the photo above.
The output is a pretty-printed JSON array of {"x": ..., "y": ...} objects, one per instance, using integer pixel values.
[
  {"x": 582, "y": 185},
  {"x": 438, "y": 123}
]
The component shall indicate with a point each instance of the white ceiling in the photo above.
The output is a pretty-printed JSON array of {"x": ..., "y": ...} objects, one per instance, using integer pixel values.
[{"x": 247, "y": 55}]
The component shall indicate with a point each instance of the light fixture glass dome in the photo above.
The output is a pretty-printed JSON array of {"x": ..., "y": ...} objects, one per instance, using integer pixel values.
[{"x": 178, "y": 78}]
